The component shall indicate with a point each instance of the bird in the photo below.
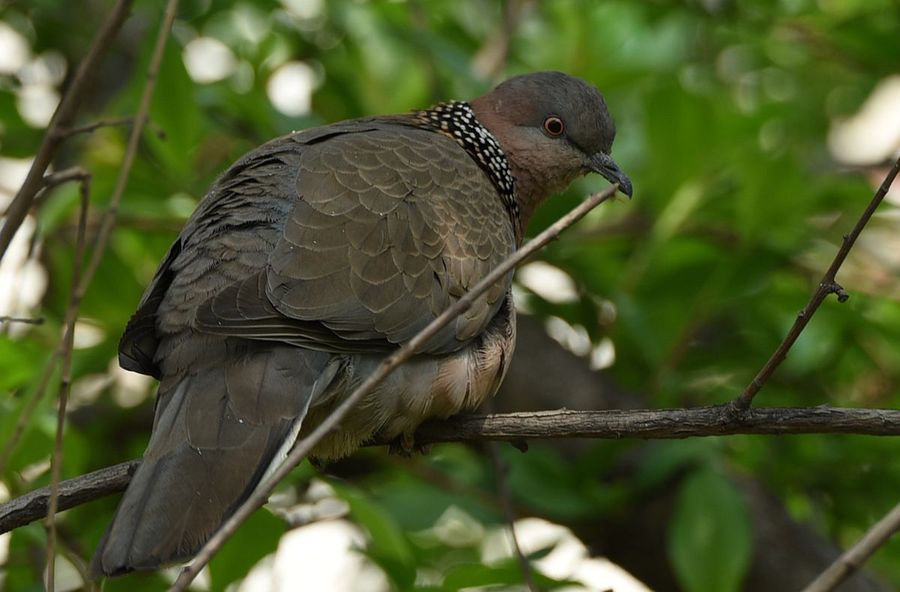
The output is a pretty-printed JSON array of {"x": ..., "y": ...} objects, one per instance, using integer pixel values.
[{"x": 308, "y": 262}]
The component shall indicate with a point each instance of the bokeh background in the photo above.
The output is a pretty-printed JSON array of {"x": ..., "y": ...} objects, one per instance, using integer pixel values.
[{"x": 754, "y": 132}]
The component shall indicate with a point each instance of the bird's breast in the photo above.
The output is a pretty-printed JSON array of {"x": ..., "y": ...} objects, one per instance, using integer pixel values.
[{"x": 423, "y": 388}]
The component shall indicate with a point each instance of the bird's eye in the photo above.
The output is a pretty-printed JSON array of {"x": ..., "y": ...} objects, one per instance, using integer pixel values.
[{"x": 554, "y": 126}]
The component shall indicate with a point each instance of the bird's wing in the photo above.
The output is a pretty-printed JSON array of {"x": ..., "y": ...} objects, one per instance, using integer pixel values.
[
  {"x": 388, "y": 228},
  {"x": 228, "y": 237}
]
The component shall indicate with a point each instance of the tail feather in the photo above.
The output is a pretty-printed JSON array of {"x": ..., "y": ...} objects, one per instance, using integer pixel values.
[{"x": 217, "y": 430}]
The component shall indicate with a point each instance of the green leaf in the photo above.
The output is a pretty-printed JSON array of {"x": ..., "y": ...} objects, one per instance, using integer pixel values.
[
  {"x": 20, "y": 360},
  {"x": 710, "y": 538},
  {"x": 544, "y": 481},
  {"x": 174, "y": 109},
  {"x": 19, "y": 569},
  {"x": 389, "y": 546},
  {"x": 507, "y": 573},
  {"x": 663, "y": 460}
]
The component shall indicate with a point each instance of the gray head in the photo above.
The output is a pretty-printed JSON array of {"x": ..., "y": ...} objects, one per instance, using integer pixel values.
[{"x": 553, "y": 128}]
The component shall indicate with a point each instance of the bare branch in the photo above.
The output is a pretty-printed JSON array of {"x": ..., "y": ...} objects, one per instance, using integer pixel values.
[
  {"x": 72, "y": 492},
  {"x": 658, "y": 424},
  {"x": 75, "y": 173},
  {"x": 91, "y": 127},
  {"x": 661, "y": 424},
  {"x": 140, "y": 118},
  {"x": 65, "y": 176},
  {"x": 66, "y": 379},
  {"x": 80, "y": 284},
  {"x": 114, "y": 122},
  {"x": 490, "y": 60},
  {"x": 392, "y": 362},
  {"x": 64, "y": 114},
  {"x": 827, "y": 285},
  {"x": 23, "y": 320},
  {"x": 500, "y": 473},
  {"x": 852, "y": 560}
]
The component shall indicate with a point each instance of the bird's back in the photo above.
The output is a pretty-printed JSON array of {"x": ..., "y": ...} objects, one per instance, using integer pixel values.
[{"x": 366, "y": 229}]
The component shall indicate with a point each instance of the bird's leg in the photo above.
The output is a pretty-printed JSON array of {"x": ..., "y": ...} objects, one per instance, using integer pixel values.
[{"x": 405, "y": 445}]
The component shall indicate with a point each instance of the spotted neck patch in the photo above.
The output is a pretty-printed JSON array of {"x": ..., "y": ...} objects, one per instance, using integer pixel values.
[{"x": 456, "y": 120}]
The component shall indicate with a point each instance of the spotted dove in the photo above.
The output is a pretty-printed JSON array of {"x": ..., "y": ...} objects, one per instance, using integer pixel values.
[{"x": 312, "y": 258}]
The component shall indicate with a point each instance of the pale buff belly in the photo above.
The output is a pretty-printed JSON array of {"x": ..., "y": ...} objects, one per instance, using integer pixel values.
[{"x": 423, "y": 388}]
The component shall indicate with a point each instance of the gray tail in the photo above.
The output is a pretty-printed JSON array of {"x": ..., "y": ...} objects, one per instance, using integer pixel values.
[{"x": 218, "y": 428}]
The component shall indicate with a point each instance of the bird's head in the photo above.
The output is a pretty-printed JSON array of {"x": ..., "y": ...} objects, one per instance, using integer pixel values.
[{"x": 553, "y": 128}]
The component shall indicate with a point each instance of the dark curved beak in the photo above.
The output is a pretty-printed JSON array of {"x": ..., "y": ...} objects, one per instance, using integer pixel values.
[{"x": 606, "y": 166}]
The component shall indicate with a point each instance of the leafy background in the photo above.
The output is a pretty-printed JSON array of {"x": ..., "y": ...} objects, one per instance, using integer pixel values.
[{"x": 723, "y": 109}]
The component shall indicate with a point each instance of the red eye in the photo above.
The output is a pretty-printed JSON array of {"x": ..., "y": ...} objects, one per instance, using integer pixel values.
[{"x": 554, "y": 126}]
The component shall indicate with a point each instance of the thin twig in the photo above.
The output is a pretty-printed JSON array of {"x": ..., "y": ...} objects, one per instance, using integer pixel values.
[
  {"x": 71, "y": 549},
  {"x": 24, "y": 420},
  {"x": 62, "y": 117},
  {"x": 115, "y": 122},
  {"x": 91, "y": 127},
  {"x": 75, "y": 173},
  {"x": 645, "y": 424},
  {"x": 140, "y": 118},
  {"x": 490, "y": 60},
  {"x": 66, "y": 380},
  {"x": 106, "y": 223},
  {"x": 855, "y": 557},
  {"x": 500, "y": 472},
  {"x": 302, "y": 449},
  {"x": 827, "y": 285},
  {"x": 23, "y": 320}
]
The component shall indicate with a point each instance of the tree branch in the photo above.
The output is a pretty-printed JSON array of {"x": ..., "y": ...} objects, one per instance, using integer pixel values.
[
  {"x": 71, "y": 493},
  {"x": 827, "y": 285},
  {"x": 140, "y": 119},
  {"x": 106, "y": 224},
  {"x": 852, "y": 560},
  {"x": 91, "y": 127},
  {"x": 23, "y": 320},
  {"x": 63, "y": 116},
  {"x": 66, "y": 379},
  {"x": 501, "y": 471},
  {"x": 661, "y": 424}
]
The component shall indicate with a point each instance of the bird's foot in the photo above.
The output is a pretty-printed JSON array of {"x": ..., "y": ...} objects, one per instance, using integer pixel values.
[{"x": 405, "y": 445}]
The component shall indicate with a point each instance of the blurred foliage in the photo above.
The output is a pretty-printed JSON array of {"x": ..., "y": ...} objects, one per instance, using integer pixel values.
[
  {"x": 709, "y": 538},
  {"x": 722, "y": 107}
]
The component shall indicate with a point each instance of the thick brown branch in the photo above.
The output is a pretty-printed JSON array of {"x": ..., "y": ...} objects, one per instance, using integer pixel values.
[
  {"x": 662, "y": 424},
  {"x": 516, "y": 427},
  {"x": 72, "y": 492}
]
